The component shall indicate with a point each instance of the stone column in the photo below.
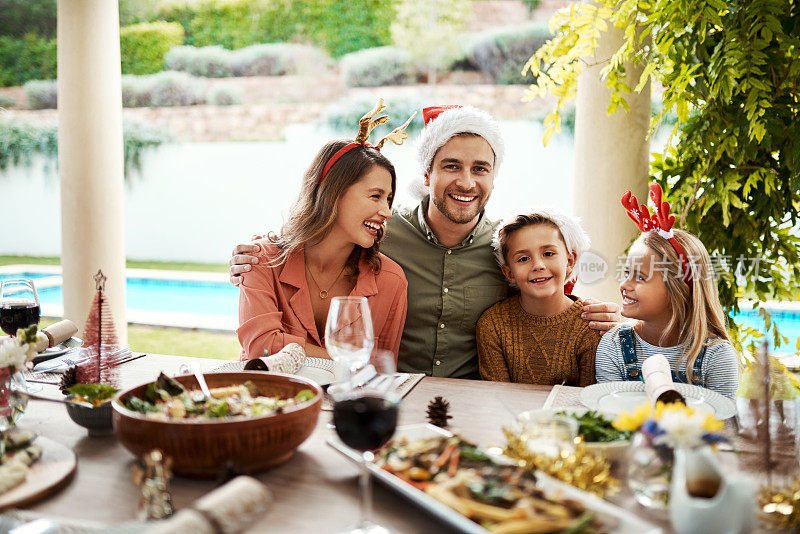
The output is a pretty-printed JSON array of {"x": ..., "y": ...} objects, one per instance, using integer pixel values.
[
  {"x": 90, "y": 156},
  {"x": 611, "y": 156}
]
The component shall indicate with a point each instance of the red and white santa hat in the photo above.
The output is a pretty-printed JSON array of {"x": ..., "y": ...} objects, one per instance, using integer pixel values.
[{"x": 442, "y": 123}]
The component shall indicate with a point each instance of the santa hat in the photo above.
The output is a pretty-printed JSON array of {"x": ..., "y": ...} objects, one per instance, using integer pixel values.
[
  {"x": 575, "y": 237},
  {"x": 442, "y": 123}
]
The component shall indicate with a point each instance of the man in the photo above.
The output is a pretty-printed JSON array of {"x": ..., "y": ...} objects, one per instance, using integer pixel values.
[{"x": 444, "y": 245}]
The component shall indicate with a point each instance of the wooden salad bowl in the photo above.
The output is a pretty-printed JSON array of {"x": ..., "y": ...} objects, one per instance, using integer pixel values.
[{"x": 204, "y": 448}]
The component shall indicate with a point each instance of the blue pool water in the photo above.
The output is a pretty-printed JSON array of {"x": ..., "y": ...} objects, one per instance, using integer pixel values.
[{"x": 206, "y": 298}]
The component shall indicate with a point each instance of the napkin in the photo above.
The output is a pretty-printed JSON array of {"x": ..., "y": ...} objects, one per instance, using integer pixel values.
[
  {"x": 288, "y": 360},
  {"x": 658, "y": 382},
  {"x": 55, "y": 334},
  {"x": 228, "y": 509}
]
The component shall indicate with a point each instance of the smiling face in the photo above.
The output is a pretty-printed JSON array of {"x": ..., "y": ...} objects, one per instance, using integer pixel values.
[
  {"x": 644, "y": 293},
  {"x": 461, "y": 178},
  {"x": 537, "y": 261},
  {"x": 364, "y": 207}
]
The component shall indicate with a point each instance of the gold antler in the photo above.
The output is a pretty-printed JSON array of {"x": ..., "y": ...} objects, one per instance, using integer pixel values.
[
  {"x": 366, "y": 124},
  {"x": 398, "y": 135}
]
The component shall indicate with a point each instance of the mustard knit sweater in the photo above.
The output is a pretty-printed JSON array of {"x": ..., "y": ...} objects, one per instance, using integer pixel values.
[{"x": 515, "y": 346}]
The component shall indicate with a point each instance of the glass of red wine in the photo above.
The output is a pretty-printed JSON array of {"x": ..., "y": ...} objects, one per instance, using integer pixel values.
[
  {"x": 19, "y": 305},
  {"x": 365, "y": 418}
]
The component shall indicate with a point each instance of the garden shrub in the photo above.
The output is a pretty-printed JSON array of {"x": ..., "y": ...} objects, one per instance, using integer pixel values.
[
  {"x": 224, "y": 96},
  {"x": 41, "y": 94},
  {"x": 502, "y": 53},
  {"x": 7, "y": 101},
  {"x": 343, "y": 115},
  {"x": 238, "y": 23},
  {"x": 143, "y": 46},
  {"x": 276, "y": 59},
  {"x": 336, "y": 26},
  {"x": 162, "y": 90},
  {"x": 20, "y": 17},
  {"x": 26, "y": 58},
  {"x": 385, "y": 65},
  {"x": 345, "y": 27},
  {"x": 206, "y": 62}
]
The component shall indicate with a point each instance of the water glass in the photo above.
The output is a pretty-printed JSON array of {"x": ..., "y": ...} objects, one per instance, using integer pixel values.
[{"x": 349, "y": 338}]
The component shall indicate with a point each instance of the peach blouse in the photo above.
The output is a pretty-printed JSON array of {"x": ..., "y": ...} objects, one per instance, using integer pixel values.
[{"x": 275, "y": 305}]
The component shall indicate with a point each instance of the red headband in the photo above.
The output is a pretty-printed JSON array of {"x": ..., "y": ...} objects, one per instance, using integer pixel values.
[
  {"x": 365, "y": 126},
  {"x": 339, "y": 153},
  {"x": 660, "y": 222}
]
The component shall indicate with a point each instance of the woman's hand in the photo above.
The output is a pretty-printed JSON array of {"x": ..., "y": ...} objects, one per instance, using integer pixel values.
[
  {"x": 241, "y": 259},
  {"x": 601, "y": 315}
]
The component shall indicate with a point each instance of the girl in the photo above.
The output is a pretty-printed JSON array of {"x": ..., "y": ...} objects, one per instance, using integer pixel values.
[
  {"x": 538, "y": 336},
  {"x": 669, "y": 288},
  {"x": 327, "y": 248}
]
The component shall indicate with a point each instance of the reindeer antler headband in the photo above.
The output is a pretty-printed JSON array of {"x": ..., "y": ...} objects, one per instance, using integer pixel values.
[
  {"x": 365, "y": 127},
  {"x": 660, "y": 222}
]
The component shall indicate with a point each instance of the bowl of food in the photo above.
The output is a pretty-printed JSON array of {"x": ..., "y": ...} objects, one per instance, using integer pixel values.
[
  {"x": 89, "y": 405},
  {"x": 595, "y": 428},
  {"x": 251, "y": 422}
]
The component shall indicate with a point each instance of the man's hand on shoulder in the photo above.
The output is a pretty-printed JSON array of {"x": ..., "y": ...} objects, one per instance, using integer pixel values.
[
  {"x": 601, "y": 315},
  {"x": 242, "y": 257}
]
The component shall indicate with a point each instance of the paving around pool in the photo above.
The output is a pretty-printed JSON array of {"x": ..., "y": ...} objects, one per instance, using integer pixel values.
[{"x": 207, "y": 301}]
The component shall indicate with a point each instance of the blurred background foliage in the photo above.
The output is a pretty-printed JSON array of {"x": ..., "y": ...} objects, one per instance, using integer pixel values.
[{"x": 376, "y": 42}]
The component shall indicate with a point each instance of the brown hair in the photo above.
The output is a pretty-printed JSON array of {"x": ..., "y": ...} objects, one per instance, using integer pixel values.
[
  {"x": 514, "y": 225},
  {"x": 317, "y": 206},
  {"x": 696, "y": 311}
]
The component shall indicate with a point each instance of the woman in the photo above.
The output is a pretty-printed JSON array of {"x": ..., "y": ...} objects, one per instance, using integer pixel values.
[{"x": 327, "y": 248}]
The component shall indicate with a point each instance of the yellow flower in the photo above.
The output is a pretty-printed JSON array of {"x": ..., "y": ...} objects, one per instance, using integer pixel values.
[
  {"x": 674, "y": 407},
  {"x": 712, "y": 424},
  {"x": 627, "y": 422}
]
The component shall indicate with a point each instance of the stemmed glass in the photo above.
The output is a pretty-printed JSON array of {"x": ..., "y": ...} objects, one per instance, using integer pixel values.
[
  {"x": 19, "y": 305},
  {"x": 348, "y": 333},
  {"x": 365, "y": 418}
]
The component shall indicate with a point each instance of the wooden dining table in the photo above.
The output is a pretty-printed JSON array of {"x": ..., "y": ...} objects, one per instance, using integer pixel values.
[{"x": 316, "y": 491}]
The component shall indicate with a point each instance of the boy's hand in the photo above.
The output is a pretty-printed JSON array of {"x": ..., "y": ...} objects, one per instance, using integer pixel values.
[
  {"x": 241, "y": 259},
  {"x": 601, "y": 315}
]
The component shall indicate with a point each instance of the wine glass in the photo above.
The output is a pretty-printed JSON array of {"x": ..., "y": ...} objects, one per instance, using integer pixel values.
[
  {"x": 19, "y": 305},
  {"x": 348, "y": 333},
  {"x": 365, "y": 418}
]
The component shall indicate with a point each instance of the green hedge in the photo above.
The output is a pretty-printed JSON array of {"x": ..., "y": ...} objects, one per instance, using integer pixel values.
[
  {"x": 19, "y": 17},
  {"x": 338, "y": 27},
  {"x": 143, "y": 46},
  {"x": 26, "y": 58}
]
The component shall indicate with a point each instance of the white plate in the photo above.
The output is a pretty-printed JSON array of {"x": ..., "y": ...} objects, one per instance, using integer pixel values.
[
  {"x": 626, "y": 522},
  {"x": 625, "y": 396},
  {"x": 320, "y": 370}
]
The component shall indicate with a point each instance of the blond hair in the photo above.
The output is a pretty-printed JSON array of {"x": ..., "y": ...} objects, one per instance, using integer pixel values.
[
  {"x": 314, "y": 212},
  {"x": 694, "y": 301}
]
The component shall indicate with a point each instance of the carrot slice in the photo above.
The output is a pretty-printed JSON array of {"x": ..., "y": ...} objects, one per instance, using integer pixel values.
[
  {"x": 442, "y": 459},
  {"x": 453, "y": 467}
]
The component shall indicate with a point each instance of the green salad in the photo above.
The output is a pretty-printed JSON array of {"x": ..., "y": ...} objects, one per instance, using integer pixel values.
[
  {"x": 594, "y": 428},
  {"x": 166, "y": 398}
]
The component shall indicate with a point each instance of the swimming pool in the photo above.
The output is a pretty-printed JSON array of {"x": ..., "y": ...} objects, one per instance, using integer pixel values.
[{"x": 207, "y": 300}]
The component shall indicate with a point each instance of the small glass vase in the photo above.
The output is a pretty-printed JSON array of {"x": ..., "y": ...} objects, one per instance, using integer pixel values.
[
  {"x": 650, "y": 471},
  {"x": 13, "y": 398}
]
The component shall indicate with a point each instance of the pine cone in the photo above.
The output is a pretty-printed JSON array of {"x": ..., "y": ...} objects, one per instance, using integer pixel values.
[
  {"x": 438, "y": 410},
  {"x": 69, "y": 379}
]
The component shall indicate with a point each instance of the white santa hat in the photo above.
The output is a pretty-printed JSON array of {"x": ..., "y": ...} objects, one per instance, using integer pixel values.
[
  {"x": 575, "y": 237},
  {"x": 442, "y": 123}
]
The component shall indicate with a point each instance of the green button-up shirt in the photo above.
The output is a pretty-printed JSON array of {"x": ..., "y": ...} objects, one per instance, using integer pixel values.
[{"x": 448, "y": 290}]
